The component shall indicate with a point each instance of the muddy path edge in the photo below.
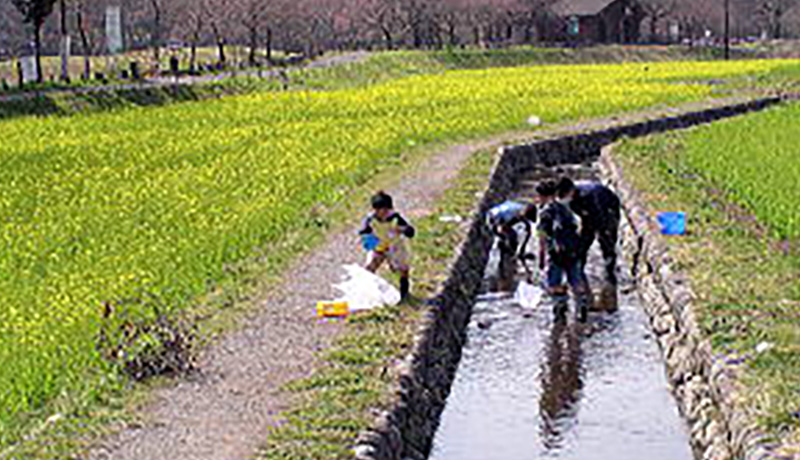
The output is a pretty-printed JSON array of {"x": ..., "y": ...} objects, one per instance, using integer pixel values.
[{"x": 406, "y": 431}]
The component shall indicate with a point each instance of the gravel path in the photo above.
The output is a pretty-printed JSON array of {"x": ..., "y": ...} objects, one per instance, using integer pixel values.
[{"x": 224, "y": 413}]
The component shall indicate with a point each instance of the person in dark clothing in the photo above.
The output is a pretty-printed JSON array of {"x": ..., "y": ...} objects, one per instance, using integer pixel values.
[
  {"x": 504, "y": 221},
  {"x": 599, "y": 210},
  {"x": 559, "y": 252},
  {"x": 388, "y": 229},
  {"x": 504, "y": 218}
]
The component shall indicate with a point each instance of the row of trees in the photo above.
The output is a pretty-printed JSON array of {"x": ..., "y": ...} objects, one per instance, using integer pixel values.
[{"x": 311, "y": 26}]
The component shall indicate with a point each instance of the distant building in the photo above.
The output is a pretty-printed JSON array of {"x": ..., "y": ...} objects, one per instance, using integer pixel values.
[{"x": 595, "y": 21}]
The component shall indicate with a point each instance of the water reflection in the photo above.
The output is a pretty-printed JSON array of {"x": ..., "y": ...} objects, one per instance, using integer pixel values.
[{"x": 561, "y": 383}]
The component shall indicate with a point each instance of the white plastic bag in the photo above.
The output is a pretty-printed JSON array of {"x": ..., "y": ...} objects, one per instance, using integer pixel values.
[
  {"x": 364, "y": 290},
  {"x": 528, "y": 295}
]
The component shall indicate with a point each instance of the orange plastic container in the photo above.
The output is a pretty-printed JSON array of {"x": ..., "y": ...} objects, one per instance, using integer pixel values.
[{"x": 332, "y": 309}]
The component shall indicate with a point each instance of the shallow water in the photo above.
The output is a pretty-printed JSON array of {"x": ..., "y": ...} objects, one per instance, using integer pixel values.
[{"x": 529, "y": 387}]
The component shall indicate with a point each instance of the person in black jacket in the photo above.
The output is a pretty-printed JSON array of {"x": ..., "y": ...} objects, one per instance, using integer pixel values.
[
  {"x": 599, "y": 210},
  {"x": 559, "y": 253}
]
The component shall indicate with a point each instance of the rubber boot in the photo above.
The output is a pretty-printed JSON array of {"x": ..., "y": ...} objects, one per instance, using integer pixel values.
[
  {"x": 583, "y": 308},
  {"x": 560, "y": 306},
  {"x": 608, "y": 296},
  {"x": 611, "y": 270},
  {"x": 405, "y": 286}
]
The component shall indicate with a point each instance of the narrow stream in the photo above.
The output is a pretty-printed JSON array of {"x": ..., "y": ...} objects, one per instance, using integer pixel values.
[{"x": 529, "y": 387}]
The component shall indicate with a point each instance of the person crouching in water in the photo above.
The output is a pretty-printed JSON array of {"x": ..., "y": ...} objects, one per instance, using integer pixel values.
[
  {"x": 599, "y": 210},
  {"x": 503, "y": 220},
  {"x": 559, "y": 246},
  {"x": 390, "y": 229}
]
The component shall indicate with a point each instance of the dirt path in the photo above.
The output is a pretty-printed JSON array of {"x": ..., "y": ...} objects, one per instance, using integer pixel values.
[{"x": 223, "y": 414}]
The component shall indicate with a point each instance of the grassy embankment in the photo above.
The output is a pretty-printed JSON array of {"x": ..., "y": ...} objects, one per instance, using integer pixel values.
[
  {"x": 377, "y": 68},
  {"x": 737, "y": 180},
  {"x": 167, "y": 203}
]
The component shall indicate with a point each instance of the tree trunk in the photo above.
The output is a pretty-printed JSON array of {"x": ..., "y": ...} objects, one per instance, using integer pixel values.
[
  {"x": 269, "y": 45},
  {"x": 727, "y": 30},
  {"x": 251, "y": 58},
  {"x": 220, "y": 43},
  {"x": 87, "y": 63},
  {"x": 193, "y": 56},
  {"x": 198, "y": 27},
  {"x": 387, "y": 36},
  {"x": 37, "y": 40},
  {"x": 653, "y": 27},
  {"x": 64, "y": 46},
  {"x": 156, "y": 40}
]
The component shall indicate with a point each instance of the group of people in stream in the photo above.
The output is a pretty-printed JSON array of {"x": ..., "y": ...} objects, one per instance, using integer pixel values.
[{"x": 568, "y": 217}]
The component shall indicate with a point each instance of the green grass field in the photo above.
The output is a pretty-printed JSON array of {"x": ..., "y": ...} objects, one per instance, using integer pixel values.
[
  {"x": 161, "y": 202},
  {"x": 737, "y": 180}
]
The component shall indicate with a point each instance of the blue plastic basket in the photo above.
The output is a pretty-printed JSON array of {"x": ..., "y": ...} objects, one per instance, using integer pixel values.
[
  {"x": 369, "y": 242},
  {"x": 672, "y": 223}
]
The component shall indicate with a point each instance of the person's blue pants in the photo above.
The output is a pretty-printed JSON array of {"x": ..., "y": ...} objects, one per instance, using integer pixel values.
[{"x": 573, "y": 271}]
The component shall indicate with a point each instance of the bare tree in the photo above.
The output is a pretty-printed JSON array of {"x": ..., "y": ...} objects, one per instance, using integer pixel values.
[
  {"x": 84, "y": 31},
  {"x": 413, "y": 15},
  {"x": 64, "y": 41},
  {"x": 191, "y": 20},
  {"x": 10, "y": 33},
  {"x": 534, "y": 13},
  {"x": 196, "y": 21},
  {"x": 449, "y": 15},
  {"x": 253, "y": 15},
  {"x": 34, "y": 13},
  {"x": 219, "y": 14},
  {"x": 155, "y": 38},
  {"x": 385, "y": 16},
  {"x": 655, "y": 11},
  {"x": 773, "y": 13},
  {"x": 694, "y": 17}
]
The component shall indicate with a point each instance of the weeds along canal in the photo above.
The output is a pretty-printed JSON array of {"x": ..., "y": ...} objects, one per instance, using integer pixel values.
[{"x": 530, "y": 387}]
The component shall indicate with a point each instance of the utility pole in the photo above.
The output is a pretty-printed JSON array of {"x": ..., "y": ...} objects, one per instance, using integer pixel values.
[{"x": 727, "y": 30}]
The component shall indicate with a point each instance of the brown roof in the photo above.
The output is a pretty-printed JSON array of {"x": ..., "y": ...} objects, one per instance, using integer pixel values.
[{"x": 580, "y": 7}]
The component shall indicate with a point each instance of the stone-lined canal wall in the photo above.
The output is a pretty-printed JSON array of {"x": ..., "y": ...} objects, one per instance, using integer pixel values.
[
  {"x": 406, "y": 431},
  {"x": 704, "y": 385}
]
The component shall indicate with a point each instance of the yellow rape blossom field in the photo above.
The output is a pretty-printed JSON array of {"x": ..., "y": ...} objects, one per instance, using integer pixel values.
[{"x": 105, "y": 207}]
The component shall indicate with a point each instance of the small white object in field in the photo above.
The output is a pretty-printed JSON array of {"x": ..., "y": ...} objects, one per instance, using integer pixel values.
[
  {"x": 764, "y": 346},
  {"x": 54, "y": 419},
  {"x": 364, "y": 290},
  {"x": 533, "y": 120},
  {"x": 451, "y": 219}
]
